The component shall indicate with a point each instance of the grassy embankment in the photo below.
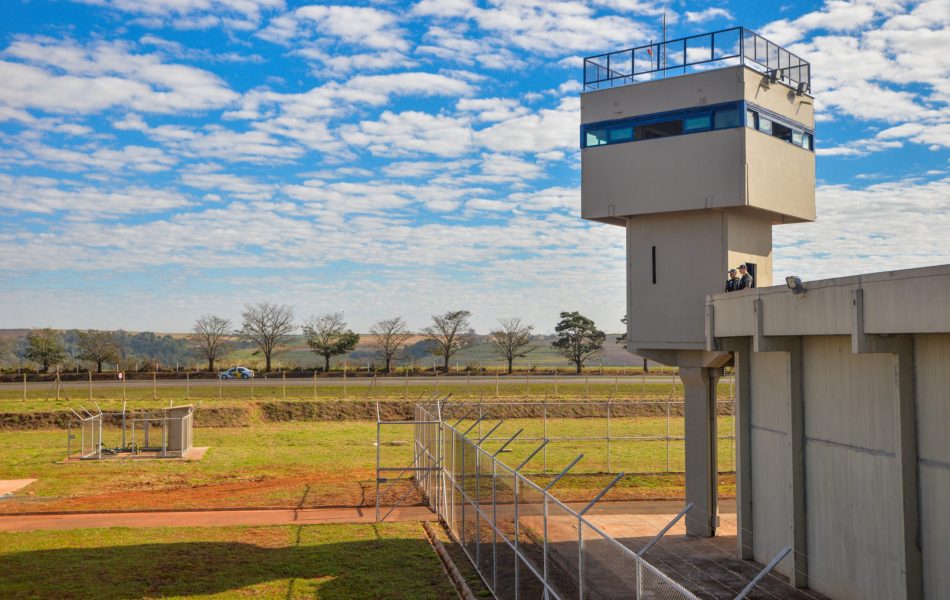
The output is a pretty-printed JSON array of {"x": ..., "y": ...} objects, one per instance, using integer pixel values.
[{"x": 387, "y": 560}]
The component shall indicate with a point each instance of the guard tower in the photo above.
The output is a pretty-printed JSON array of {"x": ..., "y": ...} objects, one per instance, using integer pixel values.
[{"x": 697, "y": 146}]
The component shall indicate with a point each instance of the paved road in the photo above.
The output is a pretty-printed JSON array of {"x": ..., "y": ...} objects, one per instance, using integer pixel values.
[{"x": 505, "y": 380}]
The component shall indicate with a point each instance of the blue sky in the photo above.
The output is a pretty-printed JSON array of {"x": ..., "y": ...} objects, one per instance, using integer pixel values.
[{"x": 164, "y": 159}]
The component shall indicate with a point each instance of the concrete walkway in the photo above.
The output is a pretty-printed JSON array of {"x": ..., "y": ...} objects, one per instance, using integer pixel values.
[{"x": 209, "y": 518}]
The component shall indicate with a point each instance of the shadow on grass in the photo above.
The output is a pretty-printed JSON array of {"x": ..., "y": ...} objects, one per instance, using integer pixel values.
[{"x": 371, "y": 568}]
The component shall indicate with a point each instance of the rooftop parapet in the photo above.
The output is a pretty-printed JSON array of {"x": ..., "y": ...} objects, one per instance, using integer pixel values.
[{"x": 703, "y": 52}]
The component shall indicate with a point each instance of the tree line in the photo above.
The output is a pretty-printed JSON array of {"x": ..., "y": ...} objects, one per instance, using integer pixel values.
[{"x": 269, "y": 328}]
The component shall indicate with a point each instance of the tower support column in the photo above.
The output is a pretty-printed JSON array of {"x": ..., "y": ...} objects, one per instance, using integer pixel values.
[{"x": 700, "y": 385}]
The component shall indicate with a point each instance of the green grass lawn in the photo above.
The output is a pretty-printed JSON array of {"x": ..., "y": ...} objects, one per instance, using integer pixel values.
[
  {"x": 386, "y": 560},
  {"x": 312, "y": 464},
  {"x": 233, "y": 393}
]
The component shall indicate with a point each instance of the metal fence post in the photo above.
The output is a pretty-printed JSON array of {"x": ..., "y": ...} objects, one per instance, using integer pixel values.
[
  {"x": 580, "y": 558},
  {"x": 668, "y": 436},
  {"x": 544, "y": 466},
  {"x": 187, "y": 385},
  {"x": 608, "y": 437}
]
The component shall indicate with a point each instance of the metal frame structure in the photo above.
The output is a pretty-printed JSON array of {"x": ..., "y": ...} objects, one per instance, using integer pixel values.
[
  {"x": 502, "y": 521},
  {"x": 726, "y": 47},
  {"x": 130, "y": 425}
]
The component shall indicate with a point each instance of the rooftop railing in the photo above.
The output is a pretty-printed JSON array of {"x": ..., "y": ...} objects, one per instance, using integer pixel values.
[{"x": 703, "y": 52}]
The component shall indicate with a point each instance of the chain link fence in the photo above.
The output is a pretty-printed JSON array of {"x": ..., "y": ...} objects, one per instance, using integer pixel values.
[{"x": 524, "y": 542}]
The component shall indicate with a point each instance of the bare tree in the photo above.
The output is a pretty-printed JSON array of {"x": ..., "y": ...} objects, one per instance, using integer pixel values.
[
  {"x": 512, "y": 340},
  {"x": 391, "y": 335},
  {"x": 452, "y": 332},
  {"x": 269, "y": 327},
  {"x": 211, "y": 335},
  {"x": 328, "y": 336},
  {"x": 98, "y": 347}
]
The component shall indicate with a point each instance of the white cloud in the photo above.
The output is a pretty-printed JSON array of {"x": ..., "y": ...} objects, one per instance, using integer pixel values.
[
  {"x": 48, "y": 196},
  {"x": 101, "y": 76},
  {"x": 885, "y": 226},
  {"x": 491, "y": 109},
  {"x": 708, "y": 14},
  {"x": 206, "y": 178},
  {"x": 359, "y": 26},
  {"x": 544, "y": 130},
  {"x": 411, "y": 133},
  {"x": 194, "y": 14}
]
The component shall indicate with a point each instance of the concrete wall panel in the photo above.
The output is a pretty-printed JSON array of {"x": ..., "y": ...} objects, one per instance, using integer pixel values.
[
  {"x": 852, "y": 474},
  {"x": 685, "y": 275},
  {"x": 906, "y": 304},
  {"x": 771, "y": 504},
  {"x": 854, "y": 532},
  {"x": 663, "y": 175},
  {"x": 850, "y": 398},
  {"x": 687, "y": 91},
  {"x": 781, "y": 177},
  {"x": 734, "y": 316},
  {"x": 932, "y": 357},
  {"x": 750, "y": 240}
]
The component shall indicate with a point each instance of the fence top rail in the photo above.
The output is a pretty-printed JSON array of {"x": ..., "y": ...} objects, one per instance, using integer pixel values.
[
  {"x": 555, "y": 403},
  {"x": 693, "y": 53}
]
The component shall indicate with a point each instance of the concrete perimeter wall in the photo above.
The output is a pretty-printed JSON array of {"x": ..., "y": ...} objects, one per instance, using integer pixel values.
[{"x": 858, "y": 481}]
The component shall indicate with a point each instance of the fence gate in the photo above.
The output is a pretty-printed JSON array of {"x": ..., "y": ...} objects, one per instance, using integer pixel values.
[{"x": 406, "y": 460}]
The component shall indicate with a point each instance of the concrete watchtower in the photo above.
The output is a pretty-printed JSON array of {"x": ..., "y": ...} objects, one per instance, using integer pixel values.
[{"x": 697, "y": 146}]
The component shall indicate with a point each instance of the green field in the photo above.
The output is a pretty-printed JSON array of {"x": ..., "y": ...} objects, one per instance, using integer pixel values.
[
  {"x": 385, "y": 560},
  {"x": 235, "y": 393},
  {"x": 313, "y": 464}
]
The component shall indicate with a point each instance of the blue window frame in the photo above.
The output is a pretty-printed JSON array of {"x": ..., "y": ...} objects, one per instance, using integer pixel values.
[
  {"x": 696, "y": 120},
  {"x": 777, "y": 126}
]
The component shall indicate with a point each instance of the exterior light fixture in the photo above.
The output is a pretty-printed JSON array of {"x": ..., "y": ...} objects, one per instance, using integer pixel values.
[{"x": 794, "y": 283}]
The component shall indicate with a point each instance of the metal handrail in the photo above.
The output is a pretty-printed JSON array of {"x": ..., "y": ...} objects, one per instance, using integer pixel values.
[{"x": 620, "y": 67}]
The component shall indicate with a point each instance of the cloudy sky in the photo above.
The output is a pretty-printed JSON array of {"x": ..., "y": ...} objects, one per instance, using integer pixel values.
[{"x": 163, "y": 159}]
